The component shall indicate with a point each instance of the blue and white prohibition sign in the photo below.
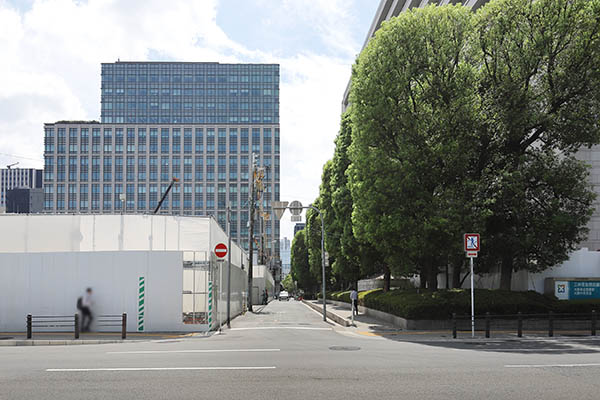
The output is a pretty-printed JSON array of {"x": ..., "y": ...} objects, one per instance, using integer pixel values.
[{"x": 472, "y": 243}]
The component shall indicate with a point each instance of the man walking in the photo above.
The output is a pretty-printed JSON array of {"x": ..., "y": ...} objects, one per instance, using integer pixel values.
[
  {"x": 354, "y": 300},
  {"x": 86, "y": 311}
]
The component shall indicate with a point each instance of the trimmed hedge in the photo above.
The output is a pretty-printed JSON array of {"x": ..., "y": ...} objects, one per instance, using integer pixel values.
[{"x": 424, "y": 304}]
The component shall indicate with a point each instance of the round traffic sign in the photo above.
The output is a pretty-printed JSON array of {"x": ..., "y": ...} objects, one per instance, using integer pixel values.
[
  {"x": 221, "y": 250},
  {"x": 295, "y": 207}
]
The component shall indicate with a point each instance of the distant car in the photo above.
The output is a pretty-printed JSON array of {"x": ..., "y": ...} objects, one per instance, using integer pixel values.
[{"x": 284, "y": 296}]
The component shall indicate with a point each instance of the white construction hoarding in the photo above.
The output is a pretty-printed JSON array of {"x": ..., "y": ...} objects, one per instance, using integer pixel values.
[{"x": 51, "y": 259}]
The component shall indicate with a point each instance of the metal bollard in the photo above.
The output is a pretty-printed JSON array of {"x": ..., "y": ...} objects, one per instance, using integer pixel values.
[
  {"x": 519, "y": 324},
  {"x": 124, "y": 326},
  {"x": 487, "y": 324},
  {"x": 594, "y": 322},
  {"x": 550, "y": 324},
  {"x": 76, "y": 326},
  {"x": 454, "y": 325},
  {"x": 29, "y": 318}
]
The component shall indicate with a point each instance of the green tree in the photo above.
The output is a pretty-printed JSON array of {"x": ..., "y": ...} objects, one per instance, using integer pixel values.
[
  {"x": 466, "y": 122},
  {"x": 300, "y": 269},
  {"x": 414, "y": 105},
  {"x": 288, "y": 283},
  {"x": 540, "y": 100},
  {"x": 352, "y": 259},
  {"x": 313, "y": 241}
]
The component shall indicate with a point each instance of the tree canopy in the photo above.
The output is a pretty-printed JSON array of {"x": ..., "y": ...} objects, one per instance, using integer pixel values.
[{"x": 465, "y": 121}]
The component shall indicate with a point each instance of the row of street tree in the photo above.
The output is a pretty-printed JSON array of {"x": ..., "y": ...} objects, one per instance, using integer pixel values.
[{"x": 459, "y": 122}]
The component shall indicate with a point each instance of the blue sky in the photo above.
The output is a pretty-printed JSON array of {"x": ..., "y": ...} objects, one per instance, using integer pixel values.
[
  {"x": 52, "y": 50},
  {"x": 267, "y": 28}
]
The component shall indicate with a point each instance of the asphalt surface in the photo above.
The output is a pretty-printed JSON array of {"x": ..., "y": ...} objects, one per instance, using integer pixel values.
[{"x": 286, "y": 351}]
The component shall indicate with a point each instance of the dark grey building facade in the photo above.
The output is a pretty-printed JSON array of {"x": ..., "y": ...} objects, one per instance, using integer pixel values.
[
  {"x": 25, "y": 200},
  {"x": 11, "y": 178}
]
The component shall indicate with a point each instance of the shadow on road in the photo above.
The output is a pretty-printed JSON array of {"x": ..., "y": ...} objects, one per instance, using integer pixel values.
[
  {"x": 534, "y": 343},
  {"x": 527, "y": 346}
]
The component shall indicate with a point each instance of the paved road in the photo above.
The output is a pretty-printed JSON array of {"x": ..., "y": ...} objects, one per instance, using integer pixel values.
[{"x": 287, "y": 352}]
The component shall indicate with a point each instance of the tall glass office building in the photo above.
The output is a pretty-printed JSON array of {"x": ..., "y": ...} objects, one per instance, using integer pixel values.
[
  {"x": 190, "y": 93},
  {"x": 197, "y": 122}
]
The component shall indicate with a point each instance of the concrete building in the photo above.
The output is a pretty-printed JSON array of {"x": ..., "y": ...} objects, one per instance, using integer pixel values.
[
  {"x": 164, "y": 263},
  {"x": 286, "y": 254},
  {"x": 298, "y": 227},
  {"x": 197, "y": 122},
  {"x": 11, "y": 178},
  {"x": 24, "y": 200}
]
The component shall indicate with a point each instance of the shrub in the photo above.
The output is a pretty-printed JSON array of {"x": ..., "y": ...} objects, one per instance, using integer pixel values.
[{"x": 424, "y": 304}]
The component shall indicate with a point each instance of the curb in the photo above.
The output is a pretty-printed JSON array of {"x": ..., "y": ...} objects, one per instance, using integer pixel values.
[
  {"x": 57, "y": 342},
  {"x": 334, "y": 317}
]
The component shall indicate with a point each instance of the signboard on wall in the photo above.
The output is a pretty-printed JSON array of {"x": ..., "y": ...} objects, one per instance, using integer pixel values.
[
  {"x": 577, "y": 289},
  {"x": 584, "y": 290}
]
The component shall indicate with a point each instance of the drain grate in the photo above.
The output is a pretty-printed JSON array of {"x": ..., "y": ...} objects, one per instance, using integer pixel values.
[{"x": 344, "y": 348}]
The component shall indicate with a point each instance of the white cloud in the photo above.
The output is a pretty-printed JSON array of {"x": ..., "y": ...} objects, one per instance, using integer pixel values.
[{"x": 51, "y": 55}]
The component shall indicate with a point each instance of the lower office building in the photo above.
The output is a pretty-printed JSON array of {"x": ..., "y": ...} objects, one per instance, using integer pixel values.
[
  {"x": 11, "y": 178},
  {"x": 119, "y": 168}
]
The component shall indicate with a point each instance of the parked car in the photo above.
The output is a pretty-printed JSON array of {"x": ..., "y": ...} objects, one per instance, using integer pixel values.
[{"x": 283, "y": 295}]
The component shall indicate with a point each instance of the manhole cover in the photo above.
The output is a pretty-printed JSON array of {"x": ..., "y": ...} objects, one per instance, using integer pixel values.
[{"x": 344, "y": 348}]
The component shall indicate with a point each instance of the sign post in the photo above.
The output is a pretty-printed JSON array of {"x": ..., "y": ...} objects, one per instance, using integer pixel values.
[
  {"x": 472, "y": 248},
  {"x": 220, "y": 251}
]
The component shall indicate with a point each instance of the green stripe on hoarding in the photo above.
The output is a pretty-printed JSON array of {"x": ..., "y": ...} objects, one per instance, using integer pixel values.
[
  {"x": 209, "y": 305},
  {"x": 141, "y": 297}
]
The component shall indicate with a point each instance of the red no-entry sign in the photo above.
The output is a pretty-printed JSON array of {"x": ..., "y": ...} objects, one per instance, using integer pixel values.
[{"x": 221, "y": 250}]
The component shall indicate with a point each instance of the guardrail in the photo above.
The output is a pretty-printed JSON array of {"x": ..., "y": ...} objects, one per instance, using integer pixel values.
[
  {"x": 72, "y": 321},
  {"x": 510, "y": 320}
]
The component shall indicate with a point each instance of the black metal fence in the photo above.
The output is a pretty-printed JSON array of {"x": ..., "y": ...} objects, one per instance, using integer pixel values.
[
  {"x": 72, "y": 321},
  {"x": 539, "y": 322}
]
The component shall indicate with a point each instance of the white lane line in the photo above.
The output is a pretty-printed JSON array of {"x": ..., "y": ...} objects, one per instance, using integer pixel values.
[
  {"x": 280, "y": 327},
  {"x": 193, "y": 351},
  {"x": 157, "y": 369},
  {"x": 551, "y": 365}
]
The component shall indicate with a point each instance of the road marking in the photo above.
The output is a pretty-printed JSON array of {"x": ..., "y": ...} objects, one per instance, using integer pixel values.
[
  {"x": 156, "y": 369},
  {"x": 193, "y": 351},
  {"x": 551, "y": 365},
  {"x": 280, "y": 327}
]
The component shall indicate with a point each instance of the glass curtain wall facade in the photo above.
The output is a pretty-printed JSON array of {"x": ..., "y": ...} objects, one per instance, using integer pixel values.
[
  {"x": 89, "y": 165},
  {"x": 190, "y": 93}
]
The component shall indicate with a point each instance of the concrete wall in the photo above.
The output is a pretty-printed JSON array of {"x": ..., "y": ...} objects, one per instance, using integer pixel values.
[
  {"x": 50, "y": 283},
  {"x": 239, "y": 285},
  {"x": 262, "y": 279},
  {"x": 581, "y": 264}
]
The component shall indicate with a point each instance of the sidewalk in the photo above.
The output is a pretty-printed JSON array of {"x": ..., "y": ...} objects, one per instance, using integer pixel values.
[
  {"x": 66, "y": 338},
  {"x": 369, "y": 326}
]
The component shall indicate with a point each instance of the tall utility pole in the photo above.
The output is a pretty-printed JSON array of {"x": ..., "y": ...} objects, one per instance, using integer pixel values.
[
  {"x": 229, "y": 265},
  {"x": 251, "y": 238}
]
